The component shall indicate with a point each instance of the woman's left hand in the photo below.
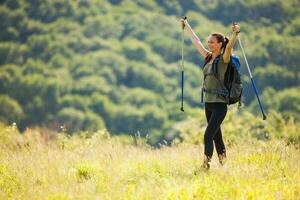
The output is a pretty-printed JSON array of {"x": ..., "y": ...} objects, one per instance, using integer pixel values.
[{"x": 235, "y": 28}]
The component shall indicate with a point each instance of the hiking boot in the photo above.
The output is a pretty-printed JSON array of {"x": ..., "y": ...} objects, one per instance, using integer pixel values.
[
  {"x": 206, "y": 163},
  {"x": 222, "y": 159}
]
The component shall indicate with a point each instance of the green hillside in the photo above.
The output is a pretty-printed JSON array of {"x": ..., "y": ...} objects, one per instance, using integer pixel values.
[{"x": 115, "y": 64}]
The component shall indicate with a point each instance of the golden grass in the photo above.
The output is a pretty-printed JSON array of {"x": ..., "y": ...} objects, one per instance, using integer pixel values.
[{"x": 100, "y": 167}]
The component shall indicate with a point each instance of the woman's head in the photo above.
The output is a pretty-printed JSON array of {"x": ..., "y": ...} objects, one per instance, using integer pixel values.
[{"x": 217, "y": 42}]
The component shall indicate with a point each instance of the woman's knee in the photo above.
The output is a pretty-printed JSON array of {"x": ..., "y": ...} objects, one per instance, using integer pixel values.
[{"x": 208, "y": 136}]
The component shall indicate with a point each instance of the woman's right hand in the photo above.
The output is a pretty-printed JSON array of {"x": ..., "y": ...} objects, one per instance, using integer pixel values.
[
  {"x": 184, "y": 22},
  {"x": 235, "y": 28}
]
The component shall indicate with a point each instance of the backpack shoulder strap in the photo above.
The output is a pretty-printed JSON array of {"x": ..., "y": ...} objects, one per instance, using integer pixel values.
[
  {"x": 207, "y": 59},
  {"x": 235, "y": 60},
  {"x": 215, "y": 70},
  {"x": 215, "y": 65}
]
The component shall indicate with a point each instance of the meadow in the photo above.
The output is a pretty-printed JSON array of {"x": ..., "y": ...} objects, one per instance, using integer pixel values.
[
  {"x": 109, "y": 72},
  {"x": 35, "y": 165}
]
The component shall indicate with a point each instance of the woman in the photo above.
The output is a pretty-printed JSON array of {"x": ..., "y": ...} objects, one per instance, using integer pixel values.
[{"x": 219, "y": 47}]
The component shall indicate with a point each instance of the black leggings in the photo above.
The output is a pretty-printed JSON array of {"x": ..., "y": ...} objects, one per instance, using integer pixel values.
[{"x": 215, "y": 114}]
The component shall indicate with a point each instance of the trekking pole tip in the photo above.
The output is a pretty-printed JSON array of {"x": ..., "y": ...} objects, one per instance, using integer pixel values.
[
  {"x": 264, "y": 117},
  {"x": 182, "y": 110}
]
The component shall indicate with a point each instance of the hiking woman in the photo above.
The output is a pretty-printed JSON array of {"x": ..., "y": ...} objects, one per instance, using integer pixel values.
[{"x": 219, "y": 47}]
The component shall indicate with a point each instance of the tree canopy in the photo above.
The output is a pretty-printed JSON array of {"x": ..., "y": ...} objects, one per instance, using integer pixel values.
[{"x": 115, "y": 64}]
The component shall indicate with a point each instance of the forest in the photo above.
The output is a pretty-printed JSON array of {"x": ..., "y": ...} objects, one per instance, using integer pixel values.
[{"x": 115, "y": 64}]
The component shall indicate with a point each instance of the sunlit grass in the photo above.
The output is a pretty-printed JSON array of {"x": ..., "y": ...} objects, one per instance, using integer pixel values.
[{"x": 99, "y": 167}]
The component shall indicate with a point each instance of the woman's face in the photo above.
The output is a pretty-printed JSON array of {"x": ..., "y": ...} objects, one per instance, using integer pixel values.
[{"x": 213, "y": 44}]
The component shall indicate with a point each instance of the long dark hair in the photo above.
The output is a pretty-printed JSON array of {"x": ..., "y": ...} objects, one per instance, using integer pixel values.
[{"x": 220, "y": 38}]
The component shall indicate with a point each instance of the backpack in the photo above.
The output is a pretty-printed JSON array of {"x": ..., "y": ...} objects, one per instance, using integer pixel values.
[{"x": 232, "y": 80}]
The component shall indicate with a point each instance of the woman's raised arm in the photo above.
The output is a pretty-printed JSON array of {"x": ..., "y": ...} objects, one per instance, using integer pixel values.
[
  {"x": 232, "y": 40},
  {"x": 196, "y": 41}
]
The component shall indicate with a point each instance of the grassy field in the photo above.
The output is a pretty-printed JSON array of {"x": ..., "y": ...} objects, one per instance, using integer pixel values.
[{"x": 33, "y": 166}]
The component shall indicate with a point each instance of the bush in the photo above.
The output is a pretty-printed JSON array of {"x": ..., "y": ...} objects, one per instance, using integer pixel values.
[
  {"x": 11, "y": 111},
  {"x": 102, "y": 26},
  {"x": 139, "y": 75},
  {"x": 12, "y": 53},
  {"x": 286, "y": 101},
  {"x": 135, "y": 50},
  {"x": 274, "y": 76},
  {"x": 240, "y": 126}
]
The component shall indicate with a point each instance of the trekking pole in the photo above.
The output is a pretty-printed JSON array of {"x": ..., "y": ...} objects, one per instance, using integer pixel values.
[
  {"x": 253, "y": 83},
  {"x": 182, "y": 64}
]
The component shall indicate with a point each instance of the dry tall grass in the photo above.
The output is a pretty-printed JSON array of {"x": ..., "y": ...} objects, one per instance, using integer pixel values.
[{"x": 101, "y": 167}]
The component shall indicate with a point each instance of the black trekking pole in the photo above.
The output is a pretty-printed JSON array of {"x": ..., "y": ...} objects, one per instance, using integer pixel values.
[
  {"x": 253, "y": 83},
  {"x": 182, "y": 64}
]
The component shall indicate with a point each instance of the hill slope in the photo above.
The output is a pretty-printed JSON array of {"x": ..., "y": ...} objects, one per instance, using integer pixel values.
[{"x": 87, "y": 65}]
